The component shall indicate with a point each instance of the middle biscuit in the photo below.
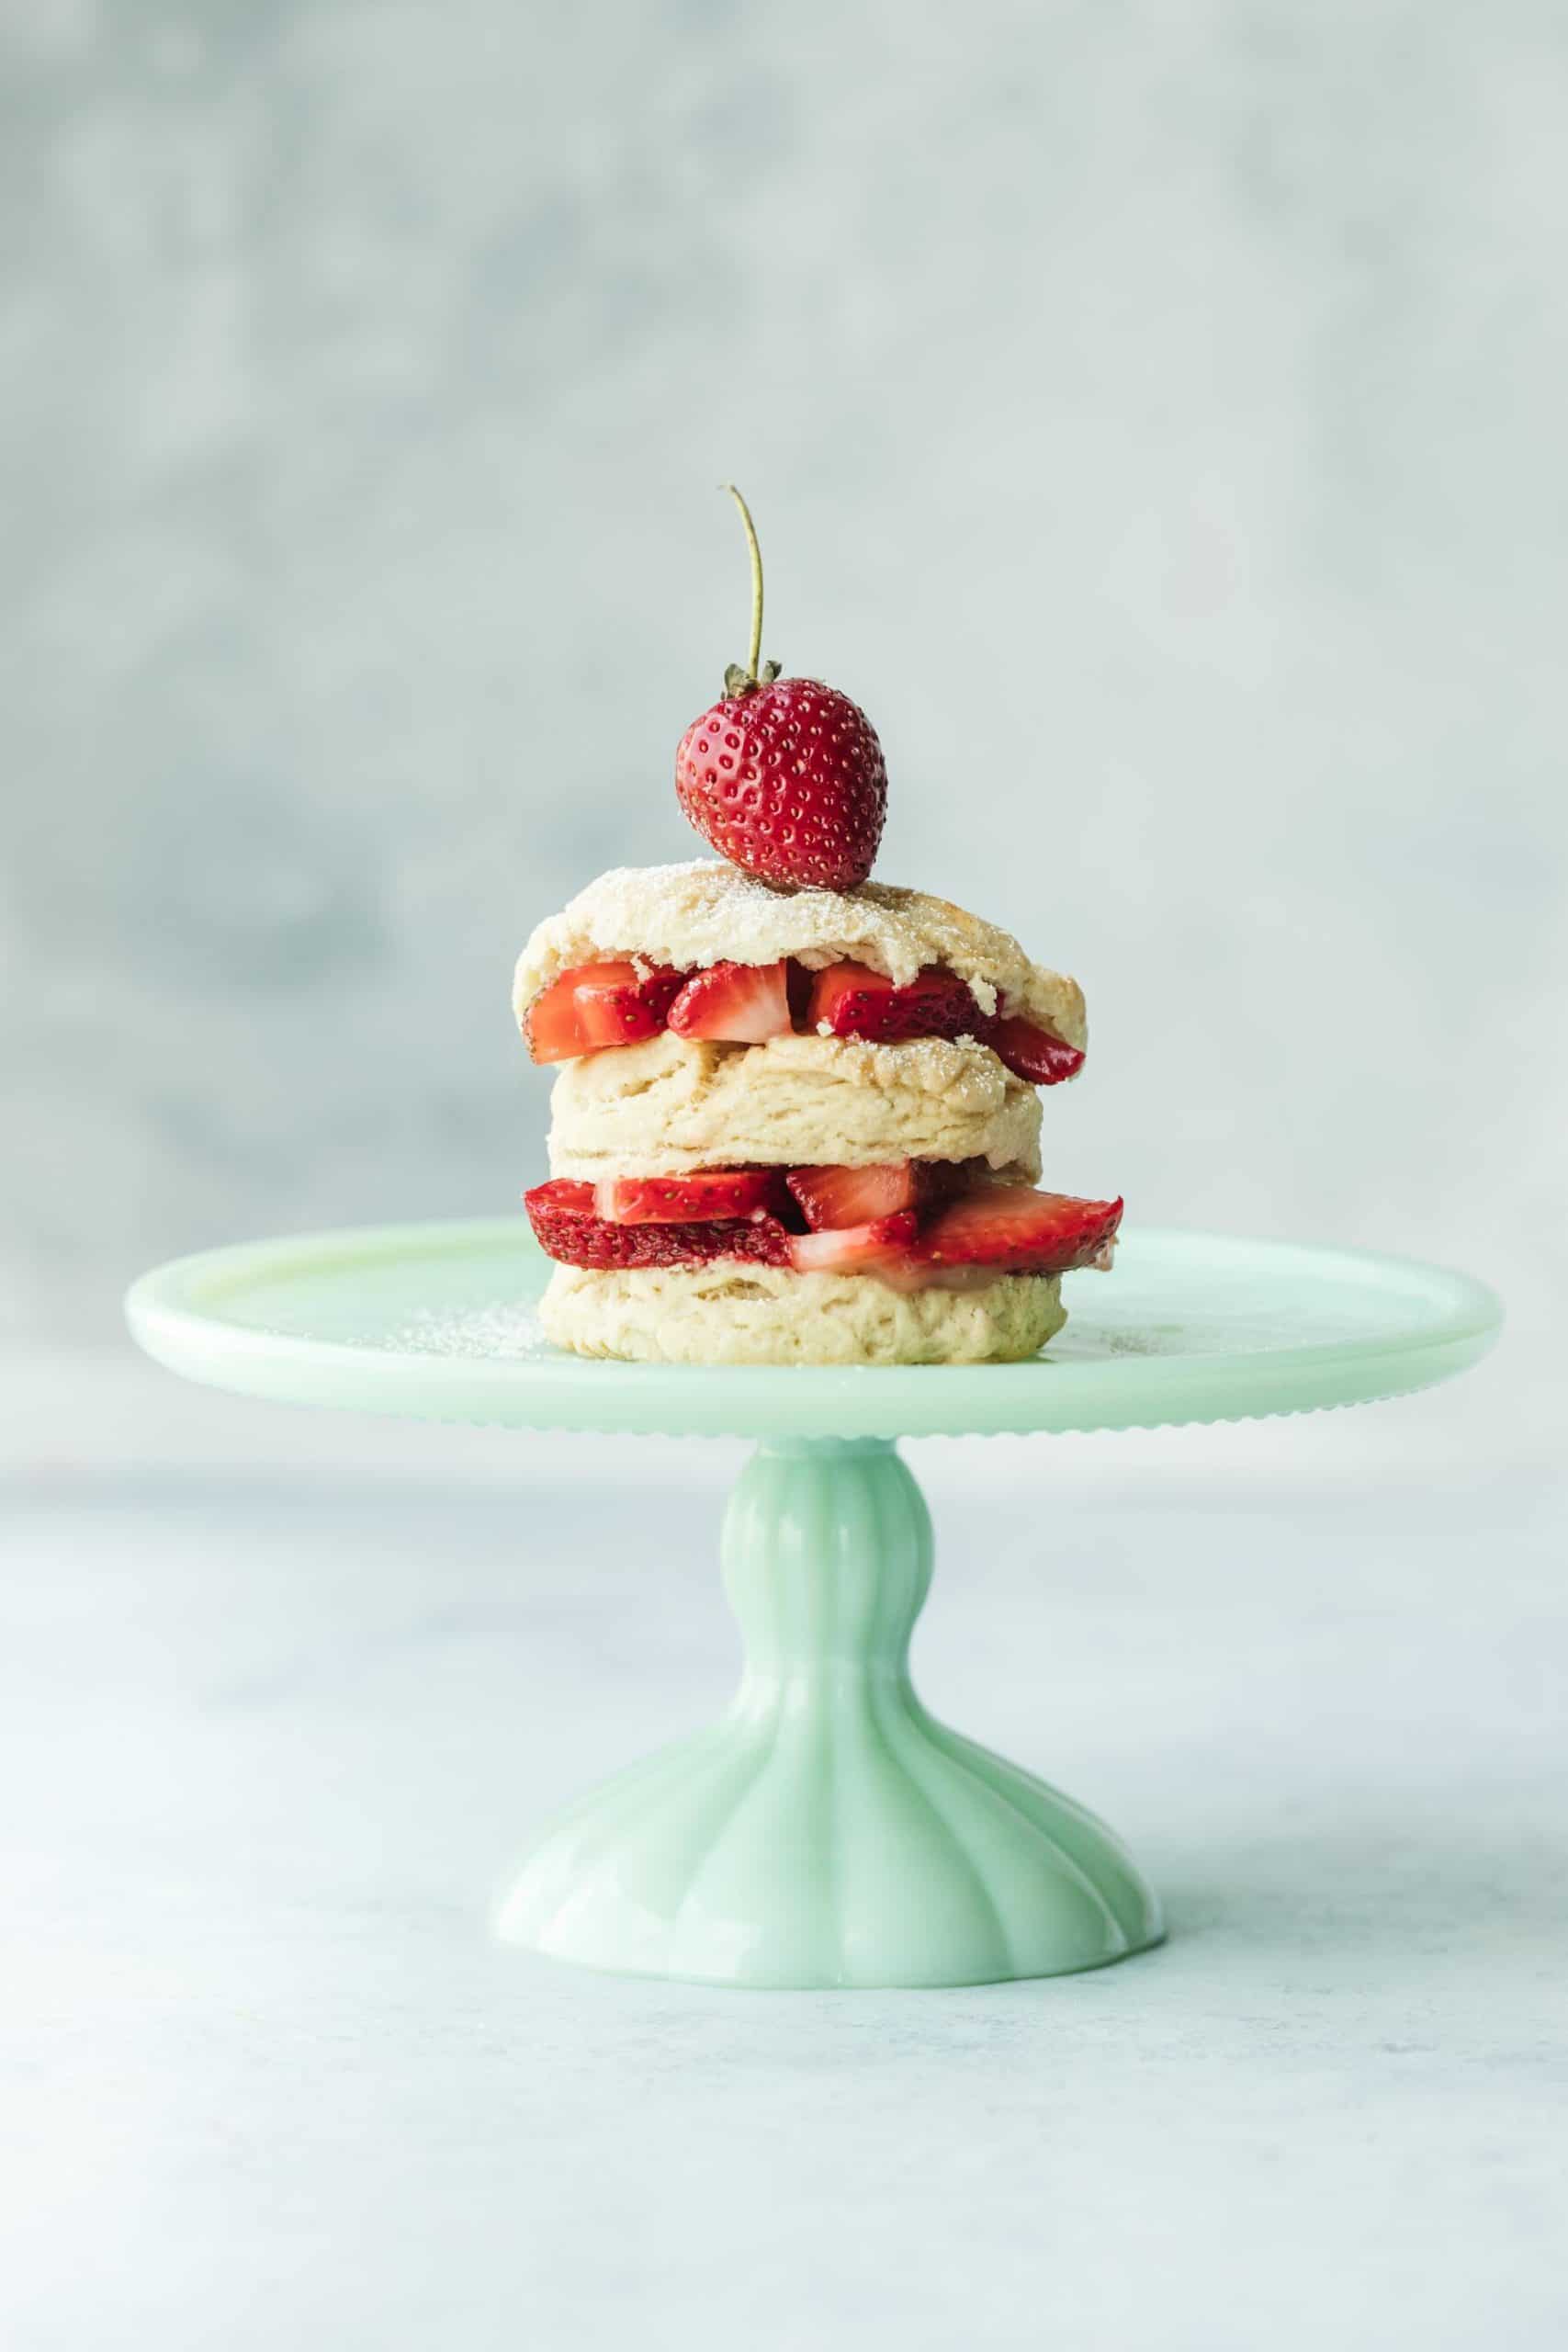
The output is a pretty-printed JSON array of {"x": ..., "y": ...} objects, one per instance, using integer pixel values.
[{"x": 667, "y": 1107}]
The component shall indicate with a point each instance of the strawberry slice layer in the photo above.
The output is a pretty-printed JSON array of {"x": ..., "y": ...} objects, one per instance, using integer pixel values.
[
  {"x": 851, "y": 1001},
  {"x": 596, "y": 1005},
  {"x": 1038, "y": 1055},
  {"x": 1015, "y": 1231},
  {"x": 569, "y": 1229},
  {"x": 716, "y": 1194},
  {"x": 621, "y": 1004},
  {"x": 995, "y": 1228},
  {"x": 741, "y": 1004}
]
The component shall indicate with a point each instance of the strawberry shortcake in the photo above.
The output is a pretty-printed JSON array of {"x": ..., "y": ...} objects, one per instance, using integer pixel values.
[
  {"x": 797, "y": 1116},
  {"x": 820, "y": 1145}
]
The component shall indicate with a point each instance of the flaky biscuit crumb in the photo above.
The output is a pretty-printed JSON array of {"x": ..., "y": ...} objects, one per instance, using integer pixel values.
[
  {"x": 732, "y": 1313},
  {"x": 670, "y": 1105}
]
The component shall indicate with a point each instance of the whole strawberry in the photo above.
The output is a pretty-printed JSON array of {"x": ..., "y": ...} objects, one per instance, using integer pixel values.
[{"x": 784, "y": 777}]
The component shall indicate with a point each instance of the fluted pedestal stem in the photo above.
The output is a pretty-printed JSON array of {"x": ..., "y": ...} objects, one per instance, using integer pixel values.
[{"x": 827, "y": 1830}]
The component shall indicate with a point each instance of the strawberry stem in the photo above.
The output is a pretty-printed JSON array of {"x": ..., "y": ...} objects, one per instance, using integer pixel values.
[{"x": 756, "y": 555}]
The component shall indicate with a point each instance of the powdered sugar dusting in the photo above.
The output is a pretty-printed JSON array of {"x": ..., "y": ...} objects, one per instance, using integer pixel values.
[{"x": 502, "y": 1330}]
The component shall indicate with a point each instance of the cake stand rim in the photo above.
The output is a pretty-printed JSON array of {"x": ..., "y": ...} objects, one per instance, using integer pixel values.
[{"x": 168, "y": 1310}]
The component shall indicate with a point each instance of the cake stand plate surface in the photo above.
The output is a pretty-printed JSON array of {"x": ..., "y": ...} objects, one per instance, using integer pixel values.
[{"x": 825, "y": 1830}]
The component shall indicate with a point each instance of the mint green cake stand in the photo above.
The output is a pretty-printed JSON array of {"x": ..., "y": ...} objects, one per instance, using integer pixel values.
[{"x": 825, "y": 1830}]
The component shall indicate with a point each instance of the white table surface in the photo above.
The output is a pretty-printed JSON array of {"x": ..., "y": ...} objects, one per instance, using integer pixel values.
[{"x": 281, "y": 1696}]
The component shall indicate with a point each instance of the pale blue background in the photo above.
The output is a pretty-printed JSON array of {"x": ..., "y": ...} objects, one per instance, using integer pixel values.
[{"x": 1152, "y": 415}]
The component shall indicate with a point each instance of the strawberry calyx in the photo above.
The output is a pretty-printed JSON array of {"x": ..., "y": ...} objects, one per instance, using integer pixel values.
[{"x": 738, "y": 682}]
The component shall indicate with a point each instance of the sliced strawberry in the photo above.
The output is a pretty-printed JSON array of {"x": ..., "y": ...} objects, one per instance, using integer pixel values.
[
  {"x": 743, "y": 1004},
  {"x": 839, "y": 1196},
  {"x": 567, "y": 1228},
  {"x": 713, "y": 1195},
  {"x": 851, "y": 1001},
  {"x": 1032, "y": 1053},
  {"x": 596, "y": 1005},
  {"x": 1017, "y": 1231},
  {"x": 562, "y": 1196},
  {"x": 878, "y": 1247},
  {"x": 834, "y": 1197}
]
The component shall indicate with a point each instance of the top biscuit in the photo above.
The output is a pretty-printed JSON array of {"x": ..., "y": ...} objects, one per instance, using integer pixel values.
[{"x": 709, "y": 912}]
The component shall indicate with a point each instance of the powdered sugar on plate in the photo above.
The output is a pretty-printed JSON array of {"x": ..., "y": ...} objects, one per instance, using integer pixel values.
[{"x": 476, "y": 1331}]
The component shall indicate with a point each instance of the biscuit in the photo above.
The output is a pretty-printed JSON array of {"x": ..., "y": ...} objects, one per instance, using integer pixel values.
[
  {"x": 730, "y": 1313},
  {"x": 671, "y": 1105},
  {"x": 708, "y": 912}
]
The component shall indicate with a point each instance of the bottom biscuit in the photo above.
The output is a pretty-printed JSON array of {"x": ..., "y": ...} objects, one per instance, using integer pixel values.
[{"x": 728, "y": 1312}]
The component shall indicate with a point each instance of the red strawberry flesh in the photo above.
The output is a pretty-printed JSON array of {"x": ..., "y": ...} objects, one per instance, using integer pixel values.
[
  {"x": 880, "y": 1246},
  {"x": 569, "y": 1229},
  {"x": 835, "y": 1196},
  {"x": 598, "y": 1005},
  {"x": 851, "y": 1001},
  {"x": 841, "y": 1196},
  {"x": 1018, "y": 1231},
  {"x": 744, "y": 1004},
  {"x": 717, "y": 1194},
  {"x": 787, "y": 781},
  {"x": 1032, "y": 1053}
]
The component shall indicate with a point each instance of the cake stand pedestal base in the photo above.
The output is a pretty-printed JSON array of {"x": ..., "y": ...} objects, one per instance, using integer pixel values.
[{"x": 826, "y": 1830}]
